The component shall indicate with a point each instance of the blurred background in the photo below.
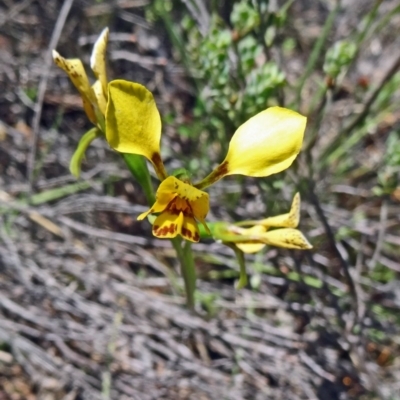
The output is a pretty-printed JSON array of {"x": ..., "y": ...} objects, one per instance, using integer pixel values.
[{"x": 92, "y": 305}]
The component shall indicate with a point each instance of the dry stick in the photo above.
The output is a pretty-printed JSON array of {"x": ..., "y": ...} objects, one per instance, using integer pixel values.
[
  {"x": 358, "y": 270},
  {"x": 367, "y": 106},
  {"x": 332, "y": 241},
  {"x": 381, "y": 235},
  {"x": 372, "y": 98},
  {"x": 42, "y": 89},
  {"x": 14, "y": 11},
  {"x": 360, "y": 360}
]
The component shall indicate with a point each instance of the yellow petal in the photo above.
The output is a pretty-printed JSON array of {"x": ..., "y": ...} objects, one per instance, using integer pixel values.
[
  {"x": 289, "y": 220},
  {"x": 98, "y": 60},
  {"x": 201, "y": 205},
  {"x": 133, "y": 123},
  {"x": 168, "y": 224},
  {"x": 251, "y": 246},
  {"x": 186, "y": 191},
  {"x": 76, "y": 72},
  {"x": 165, "y": 194},
  {"x": 198, "y": 200},
  {"x": 99, "y": 93},
  {"x": 159, "y": 206},
  {"x": 267, "y": 143},
  {"x": 264, "y": 145},
  {"x": 190, "y": 230},
  {"x": 287, "y": 237}
]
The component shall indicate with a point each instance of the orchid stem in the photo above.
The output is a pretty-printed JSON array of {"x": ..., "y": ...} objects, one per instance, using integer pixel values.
[
  {"x": 242, "y": 264},
  {"x": 138, "y": 168},
  {"x": 186, "y": 261}
]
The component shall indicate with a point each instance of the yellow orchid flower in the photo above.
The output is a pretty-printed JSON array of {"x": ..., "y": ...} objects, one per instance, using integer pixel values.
[
  {"x": 253, "y": 239},
  {"x": 266, "y": 144},
  {"x": 180, "y": 205},
  {"x": 94, "y": 96}
]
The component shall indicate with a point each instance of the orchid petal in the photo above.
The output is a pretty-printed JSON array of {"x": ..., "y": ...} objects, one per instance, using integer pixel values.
[
  {"x": 288, "y": 220},
  {"x": 251, "y": 246},
  {"x": 287, "y": 237},
  {"x": 168, "y": 224},
  {"x": 133, "y": 123},
  {"x": 264, "y": 145},
  {"x": 98, "y": 60},
  {"x": 76, "y": 72},
  {"x": 190, "y": 230}
]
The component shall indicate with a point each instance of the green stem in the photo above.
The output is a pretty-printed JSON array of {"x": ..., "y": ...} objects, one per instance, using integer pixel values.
[
  {"x": 188, "y": 271},
  {"x": 138, "y": 168},
  {"x": 242, "y": 264}
]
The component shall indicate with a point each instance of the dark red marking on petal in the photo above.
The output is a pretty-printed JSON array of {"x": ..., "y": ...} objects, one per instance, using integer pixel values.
[
  {"x": 172, "y": 228},
  {"x": 168, "y": 229},
  {"x": 196, "y": 237},
  {"x": 186, "y": 233}
]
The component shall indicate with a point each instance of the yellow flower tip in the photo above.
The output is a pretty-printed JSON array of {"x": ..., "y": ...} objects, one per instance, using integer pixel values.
[
  {"x": 76, "y": 73},
  {"x": 99, "y": 49},
  {"x": 98, "y": 60},
  {"x": 288, "y": 220},
  {"x": 266, "y": 144},
  {"x": 142, "y": 216},
  {"x": 56, "y": 55},
  {"x": 180, "y": 205},
  {"x": 288, "y": 238}
]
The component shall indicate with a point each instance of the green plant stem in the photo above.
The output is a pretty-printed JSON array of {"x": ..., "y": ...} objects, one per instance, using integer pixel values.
[
  {"x": 138, "y": 168},
  {"x": 188, "y": 271},
  {"x": 242, "y": 264}
]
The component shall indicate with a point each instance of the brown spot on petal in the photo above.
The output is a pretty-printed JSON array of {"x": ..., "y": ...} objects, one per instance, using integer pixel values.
[
  {"x": 165, "y": 230},
  {"x": 186, "y": 233},
  {"x": 196, "y": 237},
  {"x": 172, "y": 228}
]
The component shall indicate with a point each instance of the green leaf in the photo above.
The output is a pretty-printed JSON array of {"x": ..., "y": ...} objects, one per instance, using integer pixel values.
[
  {"x": 58, "y": 193},
  {"x": 86, "y": 140},
  {"x": 138, "y": 168}
]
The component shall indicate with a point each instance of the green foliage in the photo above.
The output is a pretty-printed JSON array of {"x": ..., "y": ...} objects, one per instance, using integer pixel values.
[
  {"x": 389, "y": 174},
  {"x": 234, "y": 79},
  {"x": 244, "y": 18},
  {"x": 338, "y": 57}
]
